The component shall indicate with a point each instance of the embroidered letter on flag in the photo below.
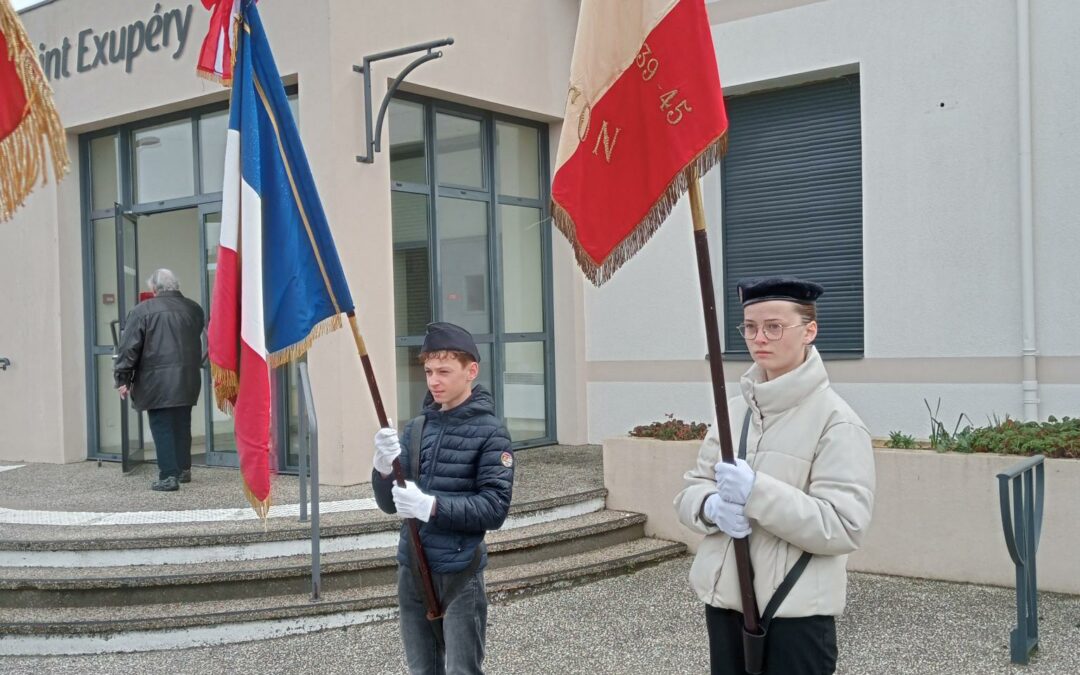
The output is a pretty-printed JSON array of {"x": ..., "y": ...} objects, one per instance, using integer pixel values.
[
  {"x": 644, "y": 110},
  {"x": 279, "y": 283},
  {"x": 28, "y": 119}
]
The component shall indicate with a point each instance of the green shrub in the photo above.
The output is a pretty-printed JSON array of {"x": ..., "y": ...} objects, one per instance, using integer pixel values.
[
  {"x": 672, "y": 430},
  {"x": 898, "y": 439},
  {"x": 1052, "y": 438}
]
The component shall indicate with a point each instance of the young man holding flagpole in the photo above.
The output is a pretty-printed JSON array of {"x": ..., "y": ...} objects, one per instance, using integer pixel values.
[{"x": 460, "y": 472}]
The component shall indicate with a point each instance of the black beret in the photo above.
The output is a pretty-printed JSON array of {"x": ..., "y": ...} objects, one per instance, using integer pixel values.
[
  {"x": 792, "y": 289},
  {"x": 447, "y": 336}
]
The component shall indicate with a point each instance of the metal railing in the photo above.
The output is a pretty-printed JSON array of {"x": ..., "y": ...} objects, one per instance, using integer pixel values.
[
  {"x": 1021, "y": 519},
  {"x": 309, "y": 454}
]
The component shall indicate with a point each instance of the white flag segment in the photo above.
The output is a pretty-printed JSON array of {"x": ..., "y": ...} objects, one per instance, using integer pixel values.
[{"x": 609, "y": 37}]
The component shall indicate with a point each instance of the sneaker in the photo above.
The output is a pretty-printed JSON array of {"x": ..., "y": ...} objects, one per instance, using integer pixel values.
[
  {"x": 167, "y": 484},
  {"x": 185, "y": 476}
]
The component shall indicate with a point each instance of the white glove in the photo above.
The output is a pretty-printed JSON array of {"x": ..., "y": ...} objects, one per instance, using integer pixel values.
[
  {"x": 727, "y": 516},
  {"x": 411, "y": 502},
  {"x": 387, "y": 449},
  {"x": 734, "y": 481}
]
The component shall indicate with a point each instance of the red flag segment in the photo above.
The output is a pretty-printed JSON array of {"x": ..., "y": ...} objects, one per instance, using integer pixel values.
[
  {"x": 638, "y": 142},
  {"x": 218, "y": 53}
]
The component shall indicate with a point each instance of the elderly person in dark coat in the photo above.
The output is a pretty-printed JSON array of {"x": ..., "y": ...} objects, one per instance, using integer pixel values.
[
  {"x": 158, "y": 364},
  {"x": 459, "y": 487}
]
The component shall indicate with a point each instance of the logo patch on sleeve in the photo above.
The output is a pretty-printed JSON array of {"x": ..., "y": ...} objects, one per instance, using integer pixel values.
[{"x": 507, "y": 460}]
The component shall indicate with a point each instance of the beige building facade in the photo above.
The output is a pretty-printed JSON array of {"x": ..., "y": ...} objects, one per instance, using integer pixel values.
[
  {"x": 143, "y": 132},
  {"x": 957, "y": 235}
]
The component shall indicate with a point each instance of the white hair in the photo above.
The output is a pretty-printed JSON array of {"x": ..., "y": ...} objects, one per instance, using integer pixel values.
[{"x": 163, "y": 280}]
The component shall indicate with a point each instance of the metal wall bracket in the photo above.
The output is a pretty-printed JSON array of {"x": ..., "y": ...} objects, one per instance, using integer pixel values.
[{"x": 374, "y": 137}]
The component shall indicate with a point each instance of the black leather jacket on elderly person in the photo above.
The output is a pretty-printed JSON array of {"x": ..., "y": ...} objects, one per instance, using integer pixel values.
[{"x": 160, "y": 352}]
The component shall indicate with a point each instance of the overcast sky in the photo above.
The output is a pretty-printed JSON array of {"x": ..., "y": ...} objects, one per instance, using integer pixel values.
[{"x": 19, "y": 4}]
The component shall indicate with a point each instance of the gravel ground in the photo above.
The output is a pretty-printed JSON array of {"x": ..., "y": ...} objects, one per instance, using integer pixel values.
[{"x": 649, "y": 622}]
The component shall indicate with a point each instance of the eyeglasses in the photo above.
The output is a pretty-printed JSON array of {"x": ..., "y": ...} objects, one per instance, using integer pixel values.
[{"x": 774, "y": 330}]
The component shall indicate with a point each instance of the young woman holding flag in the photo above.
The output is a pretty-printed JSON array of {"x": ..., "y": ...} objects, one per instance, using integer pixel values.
[{"x": 802, "y": 490}]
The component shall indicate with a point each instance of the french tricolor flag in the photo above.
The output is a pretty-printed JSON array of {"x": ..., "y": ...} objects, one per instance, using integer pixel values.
[{"x": 279, "y": 282}]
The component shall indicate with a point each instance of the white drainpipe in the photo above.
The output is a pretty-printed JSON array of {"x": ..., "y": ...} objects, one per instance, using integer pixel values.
[{"x": 1027, "y": 228}]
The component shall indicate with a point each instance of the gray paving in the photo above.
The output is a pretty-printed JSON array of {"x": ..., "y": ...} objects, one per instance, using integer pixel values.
[
  {"x": 541, "y": 473},
  {"x": 649, "y": 622},
  {"x": 86, "y": 486}
]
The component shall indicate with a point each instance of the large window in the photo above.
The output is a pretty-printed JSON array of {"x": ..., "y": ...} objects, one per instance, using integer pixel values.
[
  {"x": 472, "y": 246},
  {"x": 792, "y": 202}
]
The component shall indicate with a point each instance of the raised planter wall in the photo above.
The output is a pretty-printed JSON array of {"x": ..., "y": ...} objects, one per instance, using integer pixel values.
[{"x": 936, "y": 515}]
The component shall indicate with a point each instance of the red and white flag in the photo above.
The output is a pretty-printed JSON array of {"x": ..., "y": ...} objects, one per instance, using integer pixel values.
[
  {"x": 218, "y": 51},
  {"x": 644, "y": 110}
]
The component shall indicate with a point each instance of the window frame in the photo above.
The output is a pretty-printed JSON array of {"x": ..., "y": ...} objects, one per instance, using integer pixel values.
[{"x": 434, "y": 189}]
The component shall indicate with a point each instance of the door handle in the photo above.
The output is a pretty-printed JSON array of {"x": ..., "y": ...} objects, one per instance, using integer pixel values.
[{"x": 5, "y": 363}]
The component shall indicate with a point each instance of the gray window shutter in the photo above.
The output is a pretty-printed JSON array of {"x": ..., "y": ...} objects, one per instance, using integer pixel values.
[{"x": 792, "y": 202}]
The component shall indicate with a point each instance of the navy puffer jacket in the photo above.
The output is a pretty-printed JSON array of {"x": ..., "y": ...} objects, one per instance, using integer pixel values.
[{"x": 466, "y": 462}]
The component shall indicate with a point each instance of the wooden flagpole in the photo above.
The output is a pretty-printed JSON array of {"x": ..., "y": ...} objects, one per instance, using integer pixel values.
[
  {"x": 751, "y": 618},
  {"x": 431, "y": 599}
]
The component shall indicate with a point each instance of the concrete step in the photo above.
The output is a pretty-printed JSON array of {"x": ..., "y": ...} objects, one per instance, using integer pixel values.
[
  {"x": 26, "y": 545},
  {"x": 119, "y": 586},
  {"x": 183, "y": 625}
]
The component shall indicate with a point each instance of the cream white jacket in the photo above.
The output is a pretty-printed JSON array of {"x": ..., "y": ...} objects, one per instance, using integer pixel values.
[{"x": 813, "y": 491}]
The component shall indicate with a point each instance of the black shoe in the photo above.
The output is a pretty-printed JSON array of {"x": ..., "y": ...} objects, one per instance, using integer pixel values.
[
  {"x": 185, "y": 476},
  {"x": 167, "y": 484}
]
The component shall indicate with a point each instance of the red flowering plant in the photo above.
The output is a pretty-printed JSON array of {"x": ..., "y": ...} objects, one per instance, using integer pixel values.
[{"x": 671, "y": 429}]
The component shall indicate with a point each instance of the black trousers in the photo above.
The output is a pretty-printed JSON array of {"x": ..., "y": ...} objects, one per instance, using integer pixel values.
[
  {"x": 802, "y": 646},
  {"x": 171, "y": 429}
]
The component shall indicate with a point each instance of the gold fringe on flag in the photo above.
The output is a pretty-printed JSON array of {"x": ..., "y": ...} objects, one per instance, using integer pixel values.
[
  {"x": 226, "y": 385},
  {"x": 214, "y": 77},
  {"x": 261, "y": 506},
  {"x": 295, "y": 351},
  {"x": 599, "y": 273},
  {"x": 23, "y": 154}
]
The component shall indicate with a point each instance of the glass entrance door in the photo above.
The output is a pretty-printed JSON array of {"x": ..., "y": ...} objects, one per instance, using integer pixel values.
[
  {"x": 147, "y": 241},
  {"x": 220, "y": 437},
  {"x": 132, "y": 448},
  {"x": 220, "y": 441}
]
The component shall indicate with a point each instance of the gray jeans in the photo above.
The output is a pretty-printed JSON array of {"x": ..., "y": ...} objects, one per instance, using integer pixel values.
[{"x": 464, "y": 626}]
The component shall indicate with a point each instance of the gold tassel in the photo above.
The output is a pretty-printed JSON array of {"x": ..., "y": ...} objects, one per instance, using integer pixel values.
[
  {"x": 261, "y": 506},
  {"x": 226, "y": 386},
  {"x": 23, "y": 153},
  {"x": 214, "y": 77},
  {"x": 601, "y": 272}
]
